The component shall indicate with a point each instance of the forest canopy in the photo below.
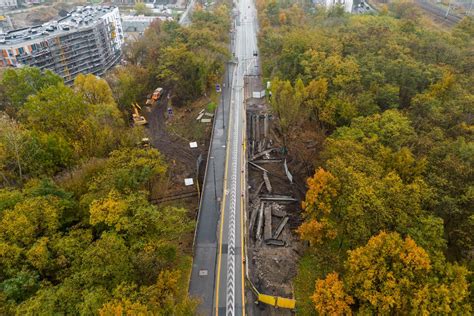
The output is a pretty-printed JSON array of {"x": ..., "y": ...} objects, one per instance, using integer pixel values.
[{"x": 390, "y": 103}]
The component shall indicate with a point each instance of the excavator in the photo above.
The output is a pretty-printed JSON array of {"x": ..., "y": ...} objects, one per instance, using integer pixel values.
[{"x": 137, "y": 118}]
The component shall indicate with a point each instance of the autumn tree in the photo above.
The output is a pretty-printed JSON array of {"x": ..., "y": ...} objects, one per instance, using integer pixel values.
[
  {"x": 93, "y": 89},
  {"x": 393, "y": 275},
  {"x": 330, "y": 298}
]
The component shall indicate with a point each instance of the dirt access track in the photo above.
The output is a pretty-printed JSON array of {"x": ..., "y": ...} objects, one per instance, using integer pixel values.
[{"x": 183, "y": 161}]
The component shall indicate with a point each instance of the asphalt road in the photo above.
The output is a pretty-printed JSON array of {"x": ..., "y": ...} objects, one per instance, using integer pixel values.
[
  {"x": 202, "y": 281},
  {"x": 230, "y": 271},
  {"x": 218, "y": 274}
]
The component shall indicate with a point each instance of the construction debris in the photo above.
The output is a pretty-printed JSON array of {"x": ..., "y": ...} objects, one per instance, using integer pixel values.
[
  {"x": 205, "y": 120},
  {"x": 288, "y": 174},
  {"x": 253, "y": 217},
  {"x": 258, "y": 235},
  {"x": 267, "y": 182},
  {"x": 263, "y": 153},
  {"x": 267, "y": 232},
  {"x": 201, "y": 114},
  {"x": 275, "y": 242},
  {"x": 277, "y": 198},
  {"x": 268, "y": 161},
  {"x": 257, "y": 192},
  {"x": 258, "y": 167},
  {"x": 278, "y": 213},
  {"x": 282, "y": 224}
]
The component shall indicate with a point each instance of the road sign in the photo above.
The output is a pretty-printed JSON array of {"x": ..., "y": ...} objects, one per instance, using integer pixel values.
[{"x": 218, "y": 88}]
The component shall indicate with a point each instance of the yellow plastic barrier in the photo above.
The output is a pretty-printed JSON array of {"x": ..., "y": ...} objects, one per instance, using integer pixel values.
[{"x": 277, "y": 301}]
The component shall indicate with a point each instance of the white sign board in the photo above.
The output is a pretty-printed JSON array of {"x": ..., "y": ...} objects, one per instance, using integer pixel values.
[
  {"x": 258, "y": 94},
  {"x": 188, "y": 181},
  {"x": 193, "y": 144}
]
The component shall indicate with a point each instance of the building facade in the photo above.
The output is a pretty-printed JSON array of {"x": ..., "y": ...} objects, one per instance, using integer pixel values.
[
  {"x": 8, "y": 4},
  {"x": 346, "y": 4},
  {"x": 88, "y": 40}
]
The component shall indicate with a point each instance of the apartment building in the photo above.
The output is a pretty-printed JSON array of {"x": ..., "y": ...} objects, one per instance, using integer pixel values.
[
  {"x": 8, "y": 4},
  {"x": 87, "y": 40}
]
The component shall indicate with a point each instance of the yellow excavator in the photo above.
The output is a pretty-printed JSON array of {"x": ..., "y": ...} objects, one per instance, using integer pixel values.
[{"x": 137, "y": 118}]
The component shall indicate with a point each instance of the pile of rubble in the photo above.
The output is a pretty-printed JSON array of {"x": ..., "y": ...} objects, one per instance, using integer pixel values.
[{"x": 273, "y": 210}]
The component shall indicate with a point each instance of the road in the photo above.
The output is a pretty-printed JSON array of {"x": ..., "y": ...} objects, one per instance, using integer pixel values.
[
  {"x": 185, "y": 18},
  {"x": 218, "y": 275},
  {"x": 230, "y": 274}
]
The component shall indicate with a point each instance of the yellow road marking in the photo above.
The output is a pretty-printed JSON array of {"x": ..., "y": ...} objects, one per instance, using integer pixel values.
[
  {"x": 242, "y": 185},
  {"x": 242, "y": 201}
]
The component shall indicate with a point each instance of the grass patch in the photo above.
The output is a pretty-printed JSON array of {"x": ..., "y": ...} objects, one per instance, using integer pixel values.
[
  {"x": 185, "y": 264},
  {"x": 304, "y": 284},
  {"x": 211, "y": 107}
]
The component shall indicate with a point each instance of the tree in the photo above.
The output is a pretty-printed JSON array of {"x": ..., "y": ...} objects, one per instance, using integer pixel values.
[
  {"x": 129, "y": 83},
  {"x": 286, "y": 103},
  {"x": 93, "y": 89},
  {"x": 12, "y": 144},
  {"x": 19, "y": 83},
  {"x": 182, "y": 71},
  {"x": 89, "y": 129},
  {"x": 129, "y": 169},
  {"x": 393, "y": 275},
  {"x": 56, "y": 109},
  {"x": 106, "y": 262},
  {"x": 142, "y": 9},
  {"x": 330, "y": 298}
]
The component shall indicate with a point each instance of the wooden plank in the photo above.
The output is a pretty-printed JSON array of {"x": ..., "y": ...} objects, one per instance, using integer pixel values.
[
  {"x": 275, "y": 242},
  {"x": 263, "y": 153},
  {"x": 280, "y": 227},
  {"x": 268, "y": 185},
  {"x": 258, "y": 167},
  {"x": 258, "y": 235},
  {"x": 268, "y": 161},
  {"x": 277, "y": 198},
  {"x": 253, "y": 217},
  {"x": 267, "y": 232},
  {"x": 200, "y": 116}
]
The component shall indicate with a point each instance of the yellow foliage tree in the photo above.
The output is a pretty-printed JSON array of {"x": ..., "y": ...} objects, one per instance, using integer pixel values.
[
  {"x": 94, "y": 89},
  {"x": 330, "y": 298},
  {"x": 391, "y": 275},
  {"x": 111, "y": 210},
  {"x": 322, "y": 189},
  {"x": 123, "y": 307},
  {"x": 386, "y": 273}
]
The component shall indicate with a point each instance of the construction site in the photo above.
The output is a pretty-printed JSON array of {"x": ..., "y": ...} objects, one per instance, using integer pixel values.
[
  {"x": 273, "y": 206},
  {"x": 86, "y": 40}
]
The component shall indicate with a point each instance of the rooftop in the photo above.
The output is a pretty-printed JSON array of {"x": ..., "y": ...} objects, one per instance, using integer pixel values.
[{"x": 80, "y": 18}]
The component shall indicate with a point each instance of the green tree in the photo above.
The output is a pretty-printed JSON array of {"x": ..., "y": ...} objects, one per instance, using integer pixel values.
[
  {"x": 142, "y": 9},
  {"x": 19, "y": 83}
]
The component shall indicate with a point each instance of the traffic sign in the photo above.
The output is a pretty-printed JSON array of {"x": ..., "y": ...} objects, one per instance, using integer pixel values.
[{"x": 218, "y": 88}]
